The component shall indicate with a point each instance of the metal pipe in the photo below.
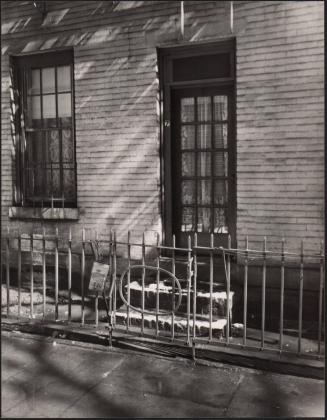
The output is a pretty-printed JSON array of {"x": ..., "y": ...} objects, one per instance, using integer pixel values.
[
  {"x": 82, "y": 276},
  {"x": 282, "y": 292},
  {"x": 228, "y": 292},
  {"x": 245, "y": 293},
  {"x": 194, "y": 285},
  {"x": 189, "y": 280},
  {"x": 70, "y": 276},
  {"x": 300, "y": 301},
  {"x": 56, "y": 276},
  {"x": 114, "y": 303},
  {"x": 173, "y": 270},
  {"x": 263, "y": 294},
  {"x": 157, "y": 281},
  {"x": 321, "y": 285},
  {"x": 31, "y": 275},
  {"x": 128, "y": 279},
  {"x": 19, "y": 272},
  {"x": 43, "y": 273},
  {"x": 96, "y": 299},
  {"x": 8, "y": 271},
  {"x": 211, "y": 285},
  {"x": 143, "y": 279}
]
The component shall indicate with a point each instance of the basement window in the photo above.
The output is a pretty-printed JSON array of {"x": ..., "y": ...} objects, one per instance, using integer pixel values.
[{"x": 43, "y": 116}]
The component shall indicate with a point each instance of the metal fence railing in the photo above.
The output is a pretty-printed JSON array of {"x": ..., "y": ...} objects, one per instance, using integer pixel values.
[{"x": 184, "y": 295}]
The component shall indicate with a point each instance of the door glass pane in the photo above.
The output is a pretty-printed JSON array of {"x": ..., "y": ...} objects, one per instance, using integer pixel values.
[
  {"x": 204, "y": 192},
  {"x": 52, "y": 142},
  {"x": 188, "y": 164},
  {"x": 48, "y": 80},
  {"x": 204, "y": 164},
  {"x": 63, "y": 77},
  {"x": 64, "y": 105},
  {"x": 220, "y": 192},
  {"x": 220, "y": 108},
  {"x": 187, "y": 109},
  {"x": 187, "y": 219},
  {"x": 221, "y": 136},
  {"x": 220, "y": 223},
  {"x": 188, "y": 137},
  {"x": 204, "y": 136},
  {"x": 49, "y": 106},
  {"x": 221, "y": 168},
  {"x": 35, "y": 88},
  {"x": 204, "y": 220},
  {"x": 204, "y": 108},
  {"x": 36, "y": 107},
  {"x": 188, "y": 192}
]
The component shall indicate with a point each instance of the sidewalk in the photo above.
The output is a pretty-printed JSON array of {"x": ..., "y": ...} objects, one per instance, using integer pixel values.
[{"x": 46, "y": 377}]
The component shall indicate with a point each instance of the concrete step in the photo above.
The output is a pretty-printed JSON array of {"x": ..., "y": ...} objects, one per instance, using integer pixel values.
[
  {"x": 165, "y": 323},
  {"x": 219, "y": 298}
]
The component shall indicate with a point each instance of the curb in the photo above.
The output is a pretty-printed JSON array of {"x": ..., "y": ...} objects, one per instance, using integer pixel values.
[{"x": 201, "y": 353}]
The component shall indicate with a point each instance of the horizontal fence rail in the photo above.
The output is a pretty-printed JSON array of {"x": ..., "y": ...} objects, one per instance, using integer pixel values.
[{"x": 197, "y": 294}]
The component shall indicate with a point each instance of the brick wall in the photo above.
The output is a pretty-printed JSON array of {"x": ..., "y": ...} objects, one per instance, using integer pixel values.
[{"x": 279, "y": 108}]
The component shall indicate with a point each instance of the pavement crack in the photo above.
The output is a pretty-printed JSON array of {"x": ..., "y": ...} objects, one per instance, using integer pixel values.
[
  {"x": 234, "y": 393},
  {"x": 103, "y": 377}
]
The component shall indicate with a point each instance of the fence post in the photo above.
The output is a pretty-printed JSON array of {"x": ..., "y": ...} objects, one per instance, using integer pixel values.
[
  {"x": 211, "y": 284},
  {"x": 189, "y": 280},
  {"x": 263, "y": 293},
  {"x": 56, "y": 275},
  {"x": 282, "y": 291},
  {"x": 300, "y": 300},
  {"x": 143, "y": 279},
  {"x": 321, "y": 285},
  {"x": 19, "y": 271},
  {"x": 128, "y": 278},
  {"x": 70, "y": 275},
  {"x": 194, "y": 283},
  {"x": 82, "y": 275},
  {"x": 8, "y": 270},
  {"x": 114, "y": 279},
  {"x": 157, "y": 281},
  {"x": 31, "y": 276},
  {"x": 245, "y": 294},
  {"x": 173, "y": 270},
  {"x": 228, "y": 291},
  {"x": 43, "y": 272},
  {"x": 96, "y": 299}
]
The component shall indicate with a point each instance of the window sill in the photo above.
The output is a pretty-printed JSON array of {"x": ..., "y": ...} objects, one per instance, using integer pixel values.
[{"x": 43, "y": 213}]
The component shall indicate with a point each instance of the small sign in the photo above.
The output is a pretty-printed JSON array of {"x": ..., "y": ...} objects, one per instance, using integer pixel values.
[{"x": 98, "y": 277}]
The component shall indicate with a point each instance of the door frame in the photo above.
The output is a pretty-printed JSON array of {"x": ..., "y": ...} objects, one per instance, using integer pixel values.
[{"x": 167, "y": 85}]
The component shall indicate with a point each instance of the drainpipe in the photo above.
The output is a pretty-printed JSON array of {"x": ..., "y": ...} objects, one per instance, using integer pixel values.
[{"x": 231, "y": 16}]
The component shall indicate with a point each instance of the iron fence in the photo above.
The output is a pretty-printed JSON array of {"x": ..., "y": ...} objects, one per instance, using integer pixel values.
[{"x": 181, "y": 300}]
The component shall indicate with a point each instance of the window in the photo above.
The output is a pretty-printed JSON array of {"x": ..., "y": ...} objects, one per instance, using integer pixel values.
[{"x": 45, "y": 151}]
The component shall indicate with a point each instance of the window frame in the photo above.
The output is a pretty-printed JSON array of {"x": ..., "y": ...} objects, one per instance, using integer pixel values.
[{"x": 21, "y": 65}]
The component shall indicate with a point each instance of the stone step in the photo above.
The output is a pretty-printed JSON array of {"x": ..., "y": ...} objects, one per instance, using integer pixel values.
[
  {"x": 219, "y": 298},
  {"x": 202, "y": 326}
]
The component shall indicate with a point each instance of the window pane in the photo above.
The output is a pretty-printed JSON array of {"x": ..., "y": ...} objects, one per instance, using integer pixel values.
[
  {"x": 52, "y": 140},
  {"x": 204, "y": 108},
  {"x": 204, "y": 220},
  {"x": 204, "y": 164},
  {"x": 204, "y": 136},
  {"x": 188, "y": 137},
  {"x": 63, "y": 77},
  {"x": 64, "y": 105},
  {"x": 187, "y": 219},
  {"x": 220, "y": 108},
  {"x": 187, "y": 109},
  {"x": 221, "y": 168},
  {"x": 67, "y": 146},
  {"x": 48, "y": 80},
  {"x": 188, "y": 164},
  {"x": 204, "y": 192},
  {"x": 188, "y": 192},
  {"x": 49, "y": 106},
  {"x": 220, "y": 136},
  {"x": 220, "y": 223},
  {"x": 36, "y": 108},
  {"x": 35, "y": 88},
  {"x": 69, "y": 182},
  {"x": 221, "y": 192}
]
